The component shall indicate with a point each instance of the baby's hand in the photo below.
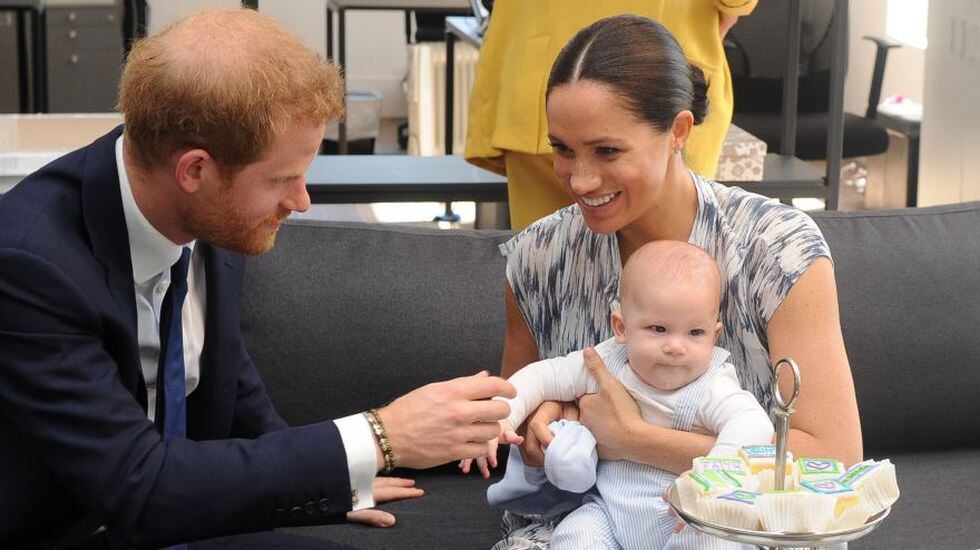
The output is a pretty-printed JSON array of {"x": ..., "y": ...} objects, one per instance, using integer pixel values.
[
  {"x": 484, "y": 463},
  {"x": 508, "y": 435}
]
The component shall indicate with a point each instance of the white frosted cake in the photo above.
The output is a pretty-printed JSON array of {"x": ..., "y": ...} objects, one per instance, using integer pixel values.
[{"x": 820, "y": 495}]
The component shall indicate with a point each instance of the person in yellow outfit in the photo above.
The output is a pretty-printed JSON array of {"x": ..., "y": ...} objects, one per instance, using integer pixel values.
[{"x": 507, "y": 130}]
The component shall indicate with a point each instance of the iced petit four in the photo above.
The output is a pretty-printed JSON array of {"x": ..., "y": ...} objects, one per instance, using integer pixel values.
[
  {"x": 734, "y": 509},
  {"x": 733, "y": 466},
  {"x": 849, "y": 509},
  {"x": 693, "y": 486},
  {"x": 875, "y": 482},
  {"x": 761, "y": 460},
  {"x": 761, "y": 457},
  {"x": 795, "y": 512},
  {"x": 812, "y": 469}
]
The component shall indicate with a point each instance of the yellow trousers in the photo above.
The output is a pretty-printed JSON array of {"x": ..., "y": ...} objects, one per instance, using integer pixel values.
[{"x": 533, "y": 190}]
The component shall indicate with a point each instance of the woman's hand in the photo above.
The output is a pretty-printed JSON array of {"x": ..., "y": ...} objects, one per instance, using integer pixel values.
[
  {"x": 725, "y": 23},
  {"x": 386, "y": 489},
  {"x": 611, "y": 414},
  {"x": 537, "y": 434}
]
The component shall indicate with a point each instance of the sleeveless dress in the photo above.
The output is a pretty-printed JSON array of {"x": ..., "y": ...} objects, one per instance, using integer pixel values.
[{"x": 565, "y": 279}]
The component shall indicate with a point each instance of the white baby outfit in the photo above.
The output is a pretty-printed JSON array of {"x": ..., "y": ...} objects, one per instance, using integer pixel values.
[
  {"x": 565, "y": 280},
  {"x": 629, "y": 510}
]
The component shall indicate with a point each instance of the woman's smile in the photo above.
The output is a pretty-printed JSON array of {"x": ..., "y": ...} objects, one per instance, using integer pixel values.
[{"x": 597, "y": 201}]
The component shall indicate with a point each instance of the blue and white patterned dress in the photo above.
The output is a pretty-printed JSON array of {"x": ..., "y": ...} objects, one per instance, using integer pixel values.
[{"x": 565, "y": 279}]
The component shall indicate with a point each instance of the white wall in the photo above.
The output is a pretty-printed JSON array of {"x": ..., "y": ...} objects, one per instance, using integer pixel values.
[
  {"x": 163, "y": 12},
  {"x": 377, "y": 56},
  {"x": 951, "y": 118},
  {"x": 903, "y": 71},
  {"x": 376, "y": 53}
]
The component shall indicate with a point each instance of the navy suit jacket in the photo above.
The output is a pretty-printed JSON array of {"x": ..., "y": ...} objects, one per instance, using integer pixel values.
[{"x": 75, "y": 441}]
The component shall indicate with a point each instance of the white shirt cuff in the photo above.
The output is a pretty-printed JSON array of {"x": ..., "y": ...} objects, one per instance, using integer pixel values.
[{"x": 362, "y": 458}]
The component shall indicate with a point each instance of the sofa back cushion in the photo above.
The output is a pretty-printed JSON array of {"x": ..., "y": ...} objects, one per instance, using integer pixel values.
[
  {"x": 909, "y": 289},
  {"x": 340, "y": 317},
  {"x": 343, "y": 316}
]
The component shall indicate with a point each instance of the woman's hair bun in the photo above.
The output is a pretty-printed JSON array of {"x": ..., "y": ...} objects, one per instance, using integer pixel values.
[{"x": 699, "y": 106}]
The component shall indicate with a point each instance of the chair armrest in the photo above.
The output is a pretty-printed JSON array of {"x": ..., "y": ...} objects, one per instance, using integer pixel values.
[{"x": 882, "y": 44}]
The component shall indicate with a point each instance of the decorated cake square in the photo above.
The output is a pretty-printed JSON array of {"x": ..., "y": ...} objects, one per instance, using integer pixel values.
[
  {"x": 734, "y": 509},
  {"x": 812, "y": 469},
  {"x": 875, "y": 482},
  {"x": 693, "y": 486}
]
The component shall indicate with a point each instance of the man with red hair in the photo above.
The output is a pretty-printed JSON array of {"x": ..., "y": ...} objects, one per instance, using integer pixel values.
[{"x": 130, "y": 412}]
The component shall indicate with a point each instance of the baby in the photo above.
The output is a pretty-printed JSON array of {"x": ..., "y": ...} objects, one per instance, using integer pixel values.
[{"x": 664, "y": 354}]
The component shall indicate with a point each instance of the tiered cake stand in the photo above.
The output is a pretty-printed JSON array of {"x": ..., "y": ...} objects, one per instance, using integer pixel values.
[{"x": 764, "y": 539}]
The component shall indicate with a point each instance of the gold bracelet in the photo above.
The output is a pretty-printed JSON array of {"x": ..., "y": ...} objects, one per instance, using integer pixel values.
[{"x": 381, "y": 434}]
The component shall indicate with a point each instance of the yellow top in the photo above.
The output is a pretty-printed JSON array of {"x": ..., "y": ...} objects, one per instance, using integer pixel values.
[{"x": 506, "y": 110}]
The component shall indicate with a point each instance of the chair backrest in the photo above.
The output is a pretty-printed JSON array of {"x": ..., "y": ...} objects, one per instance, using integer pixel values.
[{"x": 757, "y": 66}]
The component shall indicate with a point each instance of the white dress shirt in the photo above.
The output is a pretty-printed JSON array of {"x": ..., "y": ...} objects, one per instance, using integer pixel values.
[{"x": 152, "y": 256}]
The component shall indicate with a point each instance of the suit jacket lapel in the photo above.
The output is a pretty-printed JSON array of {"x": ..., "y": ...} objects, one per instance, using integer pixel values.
[
  {"x": 210, "y": 408},
  {"x": 106, "y": 225}
]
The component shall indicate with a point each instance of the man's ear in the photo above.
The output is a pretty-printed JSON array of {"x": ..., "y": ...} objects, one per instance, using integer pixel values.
[
  {"x": 192, "y": 170},
  {"x": 618, "y": 326},
  {"x": 681, "y": 128}
]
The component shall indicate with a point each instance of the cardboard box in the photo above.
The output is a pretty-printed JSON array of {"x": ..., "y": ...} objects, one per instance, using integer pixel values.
[
  {"x": 53, "y": 132},
  {"x": 742, "y": 157},
  {"x": 28, "y": 142}
]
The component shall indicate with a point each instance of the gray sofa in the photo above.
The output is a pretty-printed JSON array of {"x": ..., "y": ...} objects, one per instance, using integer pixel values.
[{"x": 340, "y": 317}]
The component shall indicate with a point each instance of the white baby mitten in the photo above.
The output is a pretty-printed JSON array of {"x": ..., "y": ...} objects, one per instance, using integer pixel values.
[{"x": 570, "y": 460}]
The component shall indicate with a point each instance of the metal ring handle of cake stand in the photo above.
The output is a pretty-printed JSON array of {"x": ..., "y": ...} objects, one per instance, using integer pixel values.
[
  {"x": 784, "y": 409},
  {"x": 764, "y": 539}
]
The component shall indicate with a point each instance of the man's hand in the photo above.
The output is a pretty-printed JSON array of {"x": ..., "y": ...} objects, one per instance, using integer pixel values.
[
  {"x": 484, "y": 463},
  {"x": 446, "y": 420},
  {"x": 609, "y": 413},
  {"x": 386, "y": 489}
]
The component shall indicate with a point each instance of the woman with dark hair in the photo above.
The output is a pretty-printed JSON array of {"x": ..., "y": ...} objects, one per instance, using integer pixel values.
[
  {"x": 621, "y": 102},
  {"x": 506, "y": 130}
]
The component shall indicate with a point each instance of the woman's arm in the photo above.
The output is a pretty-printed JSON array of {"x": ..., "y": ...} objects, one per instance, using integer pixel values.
[
  {"x": 621, "y": 433},
  {"x": 806, "y": 327},
  {"x": 521, "y": 349}
]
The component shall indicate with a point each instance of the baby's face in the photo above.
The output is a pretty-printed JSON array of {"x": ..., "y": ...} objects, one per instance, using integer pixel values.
[{"x": 670, "y": 332}]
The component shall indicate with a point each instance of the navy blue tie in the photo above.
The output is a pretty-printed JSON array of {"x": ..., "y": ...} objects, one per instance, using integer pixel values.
[
  {"x": 170, "y": 373},
  {"x": 171, "y": 409}
]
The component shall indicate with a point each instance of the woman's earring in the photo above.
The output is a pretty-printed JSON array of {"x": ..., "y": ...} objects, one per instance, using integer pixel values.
[{"x": 678, "y": 150}]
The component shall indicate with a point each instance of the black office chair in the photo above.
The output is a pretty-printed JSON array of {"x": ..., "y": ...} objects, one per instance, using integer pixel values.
[{"x": 757, "y": 67}]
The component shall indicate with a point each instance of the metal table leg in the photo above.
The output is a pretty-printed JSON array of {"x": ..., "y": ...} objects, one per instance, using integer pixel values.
[
  {"x": 329, "y": 33},
  {"x": 342, "y": 49},
  {"x": 38, "y": 61},
  {"x": 450, "y": 84},
  {"x": 912, "y": 178},
  {"x": 23, "y": 69}
]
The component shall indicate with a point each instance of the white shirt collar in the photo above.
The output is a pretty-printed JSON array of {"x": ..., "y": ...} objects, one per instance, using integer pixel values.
[{"x": 151, "y": 252}]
